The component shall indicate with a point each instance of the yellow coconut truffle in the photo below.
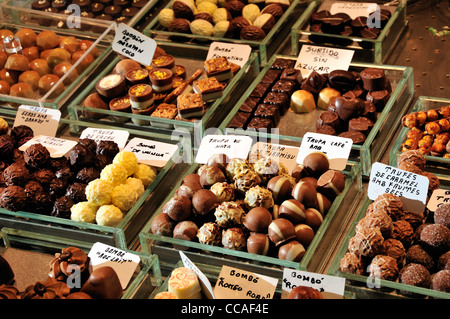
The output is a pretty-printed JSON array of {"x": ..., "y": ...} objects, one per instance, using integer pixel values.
[
  {"x": 109, "y": 215},
  {"x": 114, "y": 173},
  {"x": 83, "y": 212},
  {"x": 99, "y": 192},
  {"x": 136, "y": 185},
  {"x": 128, "y": 160},
  {"x": 145, "y": 173},
  {"x": 123, "y": 197}
]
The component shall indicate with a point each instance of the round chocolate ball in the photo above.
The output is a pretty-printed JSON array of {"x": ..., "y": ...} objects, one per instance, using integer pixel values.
[
  {"x": 442, "y": 215},
  {"x": 313, "y": 218},
  {"x": 415, "y": 275},
  {"x": 304, "y": 234},
  {"x": 218, "y": 160},
  {"x": 323, "y": 204},
  {"x": 436, "y": 237},
  {"x": 331, "y": 183},
  {"x": 258, "y": 219},
  {"x": 211, "y": 175},
  {"x": 293, "y": 210},
  {"x": 281, "y": 230},
  {"x": 204, "y": 201},
  {"x": 280, "y": 186},
  {"x": 186, "y": 230},
  {"x": 193, "y": 178},
  {"x": 292, "y": 251},
  {"x": 441, "y": 281},
  {"x": 178, "y": 208},
  {"x": 305, "y": 193},
  {"x": 317, "y": 162},
  {"x": 162, "y": 225},
  {"x": 188, "y": 189},
  {"x": 258, "y": 243},
  {"x": 300, "y": 171}
]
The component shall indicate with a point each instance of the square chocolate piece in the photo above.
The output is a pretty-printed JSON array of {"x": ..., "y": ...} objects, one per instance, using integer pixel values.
[
  {"x": 208, "y": 88},
  {"x": 260, "y": 90},
  {"x": 269, "y": 111},
  {"x": 220, "y": 68},
  {"x": 240, "y": 120},
  {"x": 284, "y": 86},
  {"x": 249, "y": 105},
  {"x": 260, "y": 123},
  {"x": 271, "y": 76},
  {"x": 291, "y": 74},
  {"x": 190, "y": 105},
  {"x": 282, "y": 63},
  {"x": 279, "y": 98}
]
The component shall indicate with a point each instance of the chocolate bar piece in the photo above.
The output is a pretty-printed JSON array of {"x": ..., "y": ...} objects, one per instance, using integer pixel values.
[
  {"x": 260, "y": 123},
  {"x": 269, "y": 111},
  {"x": 260, "y": 90},
  {"x": 190, "y": 105},
  {"x": 284, "y": 86},
  {"x": 220, "y": 68},
  {"x": 249, "y": 105},
  {"x": 208, "y": 88},
  {"x": 271, "y": 76},
  {"x": 279, "y": 98},
  {"x": 240, "y": 120}
]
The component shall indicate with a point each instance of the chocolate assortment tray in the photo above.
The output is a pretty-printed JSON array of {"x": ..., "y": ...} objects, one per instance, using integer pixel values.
[
  {"x": 191, "y": 60},
  {"x": 322, "y": 27},
  {"x": 31, "y": 266},
  {"x": 218, "y": 22},
  {"x": 56, "y": 70},
  {"x": 226, "y": 246},
  {"x": 48, "y": 218},
  {"x": 292, "y": 126},
  {"x": 78, "y": 17},
  {"x": 437, "y": 160}
]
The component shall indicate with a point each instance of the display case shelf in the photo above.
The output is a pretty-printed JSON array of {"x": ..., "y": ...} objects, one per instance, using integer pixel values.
[{"x": 365, "y": 50}]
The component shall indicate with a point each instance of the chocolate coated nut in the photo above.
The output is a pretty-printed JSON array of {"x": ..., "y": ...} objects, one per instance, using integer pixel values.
[
  {"x": 179, "y": 25},
  {"x": 274, "y": 9},
  {"x": 252, "y": 33},
  {"x": 182, "y": 10}
]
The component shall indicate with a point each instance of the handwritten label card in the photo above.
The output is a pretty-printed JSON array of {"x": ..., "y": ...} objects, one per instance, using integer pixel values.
[
  {"x": 336, "y": 148},
  {"x": 354, "y": 9},
  {"x": 240, "y": 284},
  {"x": 43, "y": 121},
  {"x": 232, "y": 146},
  {"x": 322, "y": 59},
  {"x": 438, "y": 198},
  {"x": 124, "y": 263},
  {"x": 99, "y": 134},
  {"x": 411, "y": 188},
  {"x": 287, "y": 155},
  {"x": 331, "y": 287},
  {"x": 133, "y": 44},
  {"x": 151, "y": 152},
  {"x": 207, "y": 289},
  {"x": 235, "y": 53},
  {"x": 57, "y": 147}
]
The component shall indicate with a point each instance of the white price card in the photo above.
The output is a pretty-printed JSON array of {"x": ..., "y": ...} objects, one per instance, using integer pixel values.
[
  {"x": 42, "y": 120},
  {"x": 438, "y": 197},
  {"x": 133, "y": 44},
  {"x": 235, "y": 53},
  {"x": 151, "y": 152},
  {"x": 411, "y": 188},
  {"x": 124, "y": 263},
  {"x": 100, "y": 134},
  {"x": 207, "y": 289},
  {"x": 336, "y": 148},
  {"x": 57, "y": 147},
  {"x": 234, "y": 283},
  {"x": 233, "y": 146},
  {"x": 287, "y": 155},
  {"x": 354, "y": 9},
  {"x": 322, "y": 59},
  {"x": 330, "y": 287}
]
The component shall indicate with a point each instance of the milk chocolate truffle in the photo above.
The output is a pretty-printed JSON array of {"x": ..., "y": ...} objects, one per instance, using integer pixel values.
[
  {"x": 313, "y": 218},
  {"x": 178, "y": 208},
  {"x": 304, "y": 234},
  {"x": 258, "y": 220},
  {"x": 304, "y": 292},
  {"x": 323, "y": 204},
  {"x": 224, "y": 191},
  {"x": 395, "y": 249},
  {"x": 162, "y": 225},
  {"x": 234, "y": 238},
  {"x": 378, "y": 219},
  {"x": 418, "y": 255},
  {"x": 305, "y": 193},
  {"x": 103, "y": 283},
  {"x": 258, "y": 243},
  {"x": 13, "y": 198},
  {"x": 188, "y": 189},
  {"x": 186, "y": 230},
  {"x": 383, "y": 267},
  {"x": 194, "y": 178},
  {"x": 441, "y": 281},
  {"x": 442, "y": 215},
  {"x": 389, "y": 203},
  {"x": 211, "y": 175},
  {"x": 229, "y": 214},
  {"x": 414, "y": 157},
  {"x": 258, "y": 196},
  {"x": 209, "y": 234},
  {"x": 351, "y": 263},
  {"x": 95, "y": 100},
  {"x": 281, "y": 230},
  {"x": 317, "y": 162},
  {"x": 436, "y": 237},
  {"x": 204, "y": 201},
  {"x": 403, "y": 231},
  {"x": 16, "y": 174},
  {"x": 292, "y": 210},
  {"x": 292, "y": 251},
  {"x": 367, "y": 242},
  {"x": 415, "y": 275},
  {"x": 218, "y": 160},
  {"x": 281, "y": 188}
]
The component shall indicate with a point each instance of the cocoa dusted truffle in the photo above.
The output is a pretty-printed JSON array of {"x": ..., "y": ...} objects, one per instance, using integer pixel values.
[
  {"x": 13, "y": 198},
  {"x": 442, "y": 215},
  {"x": 415, "y": 275},
  {"x": 416, "y": 254},
  {"x": 16, "y": 174},
  {"x": 383, "y": 267},
  {"x": 436, "y": 237},
  {"x": 441, "y": 281}
]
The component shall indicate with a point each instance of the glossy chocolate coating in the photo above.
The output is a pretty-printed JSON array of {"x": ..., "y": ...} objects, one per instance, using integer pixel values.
[
  {"x": 374, "y": 79},
  {"x": 292, "y": 210},
  {"x": 186, "y": 230},
  {"x": 347, "y": 108},
  {"x": 331, "y": 183},
  {"x": 258, "y": 219},
  {"x": 103, "y": 283},
  {"x": 258, "y": 243},
  {"x": 178, "y": 208},
  {"x": 317, "y": 162},
  {"x": 281, "y": 188},
  {"x": 204, "y": 201},
  {"x": 281, "y": 230},
  {"x": 293, "y": 251},
  {"x": 305, "y": 193}
]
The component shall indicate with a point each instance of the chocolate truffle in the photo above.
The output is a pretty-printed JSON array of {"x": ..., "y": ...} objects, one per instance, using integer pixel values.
[
  {"x": 204, "y": 201},
  {"x": 367, "y": 242},
  {"x": 80, "y": 156},
  {"x": 389, "y": 203},
  {"x": 292, "y": 210},
  {"x": 414, "y": 157},
  {"x": 377, "y": 219},
  {"x": 87, "y": 174},
  {"x": 77, "y": 192},
  {"x": 281, "y": 230},
  {"x": 305, "y": 193},
  {"x": 416, "y": 254},
  {"x": 36, "y": 156},
  {"x": 313, "y": 218},
  {"x": 178, "y": 208},
  {"x": 16, "y": 174},
  {"x": 304, "y": 234},
  {"x": 403, "y": 231},
  {"x": 218, "y": 160},
  {"x": 234, "y": 238},
  {"x": 317, "y": 162},
  {"x": 103, "y": 283},
  {"x": 225, "y": 192},
  {"x": 292, "y": 251},
  {"x": 211, "y": 175},
  {"x": 229, "y": 214},
  {"x": 186, "y": 230},
  {"x": 13, "y": 198},
  {"x": 61, "y": 207},
  {"x": 245, "y": 180},
  {"x": 162, "y": 225},
  {"x": 107, "y": 148},
  {"x": 188, "y": 189},
  {"x": 415, "y": 275},
  {"x": 383, "y": 267},
  {"x": 209, "y": 234},
  {"x": 441, "y": 281},
  {"x": 258, "y": 196},
  {"x": 258, "y": 220},
  {"x": 281, "y": 187},
  {"x": 258, "y": 243},
  {"x": 351, "y": 263},
  {"x": 6, "y": 147},
  {"x": 436, "y": 237},
  {"x": 442, "y": 215}
]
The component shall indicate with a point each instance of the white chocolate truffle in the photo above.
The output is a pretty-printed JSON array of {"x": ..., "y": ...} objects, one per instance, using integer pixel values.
[
  {"x": 221, "y": 28},
  {"x": 221, "y": 14},
  {"x": 83, "y": 212},
  {"x": 197, "y": 2},
  {"x": 115, "y": 173},
  {"x": 109, "y": 215},
  {"x": 302, "y": 101},
  {"x": 128, "y": 160},
  {"x": 98, "y": 192},
  {"x": 123, "y": 197},
  {"x": 206, "y": 7},
  {"x": 166, "y": 16},
  {"x": 145, "y": 173},
  {"x": 136, "y": 185}
]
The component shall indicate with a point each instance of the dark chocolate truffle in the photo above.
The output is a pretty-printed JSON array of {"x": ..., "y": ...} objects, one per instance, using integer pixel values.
[
  {"x": 16, "y": 174},
  {"x": 178, "y": 208},
  {"x": 436, "y": 237},
  {"x": 61, "y": 207},
  {"x": 442, "y": 215},
  {"x": 317, "y": 162},
  {"x": 13, "y": 198},
  {"x": 415, "y": 275},
  {"x": 441, "y": 281},
  {"x": 103, "y": 283}
]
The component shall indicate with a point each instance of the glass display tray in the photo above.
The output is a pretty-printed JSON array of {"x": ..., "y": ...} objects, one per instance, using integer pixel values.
[
  {"x": 434, "y": 164},
  {"x": 213, "y": 257},
  {"x": 293, "y": 126},
  {"x": 11, "y": 102},
  {"x": 266, "y": 48},
  {"x": 126, "y": 232},
  {"x": 364, "y": 287},
  {"x": 20, "y": 12},
  {"x": 192, "y": 58},
  {"x": 365, "y": 50},
  {"x": 38, "y": 251}
]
